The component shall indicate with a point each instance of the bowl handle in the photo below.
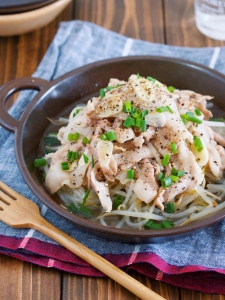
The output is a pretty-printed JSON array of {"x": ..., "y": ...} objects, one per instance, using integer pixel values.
[{"x": 11, "y": 87}]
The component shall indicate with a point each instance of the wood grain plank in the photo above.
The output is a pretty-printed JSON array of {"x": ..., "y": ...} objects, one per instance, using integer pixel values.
[
  {"x": 193, "y": 295},
  {"x": 82, "y": 288},
  {"x": 25, "y": 281},
  {"x": 180, "y": 26},
  {"x": 141, "y": 19}
]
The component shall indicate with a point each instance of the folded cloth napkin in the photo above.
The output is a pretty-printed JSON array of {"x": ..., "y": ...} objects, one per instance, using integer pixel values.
[{"x": 196, "y": 262}]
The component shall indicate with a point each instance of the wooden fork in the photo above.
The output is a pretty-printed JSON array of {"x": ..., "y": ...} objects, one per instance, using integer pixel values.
[{"x": 20, "y": 212}]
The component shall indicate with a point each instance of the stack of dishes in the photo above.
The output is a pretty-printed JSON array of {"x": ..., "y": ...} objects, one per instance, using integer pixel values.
[{"x": 22, "y": 16}]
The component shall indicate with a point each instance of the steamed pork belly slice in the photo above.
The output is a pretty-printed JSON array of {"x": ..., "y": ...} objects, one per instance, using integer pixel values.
[
  {"x": 101, "y": 188},
  {"x": 56, "y": 178},
  {"x": 183, "y": 160},
  {"x": 81, "y": 123},
  {"x": 106, "y": 159},
  {"x": 128, "y": 158},
  {"x": 146, "y": 186},
  {"x": 124, "y": 134},
  {"x": 144, "y": 136},
  {"x": 214, "y": 161},
  {"x": 189, "y": 100},
  {"x": 215, "y": 136},
  {"x": 173, "y": 131}
]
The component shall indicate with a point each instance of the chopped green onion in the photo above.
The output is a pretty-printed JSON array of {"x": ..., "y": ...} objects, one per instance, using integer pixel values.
[
  {"x": 184, "y": 120},
  {"x": 169, "y": 109},
  {"x": 137, "y": 114},
  {"x": 118, "y": 201},
  {"x": 167, "y": 224},
  {"x": 72, "y": 155},
  {"x": 132, "y": 111},
  {"x": 92, "y": 161},
  {"x": 83, "y": 209},
  {"x": 198, "y": 112},
  {"x": 138, "y": 76},
  {"x": 161, "y": 176},
  {"x": 85, "y": 157},
  {"x": 198, "y": 144},
  {"x": 111, "y": 136},
  {"x": 109, "y": 88},
  {"x": 85, "y": 140},
  {"x": 156, "y": 226},
  {"x": 174, "y": 178},
  {"x": 86, "y": 196},
  {"x": 190, "y": 114},
  {"x": 170, "y": 207},
  {"x": 173, "y": 147},
  {"x": 148, "y": 224},
  {"x": 40, "y": 162},
  {"x": 165, "y": 160},
  {"x": 143, "y": 125},
  {"x": 73, "y": 208},
  {"x": 138, "y": 123},
  {"x": 102, "y": 93},
  {"x": 144, "y": 113},
  {"x": 189, "y": 117},
  {"x": 167, "y": 181},
  {"x": 65, "y": 165},
  {"x": 128, "y": 122},
  {"x": 77, "y": 111},
  {"x": 151, "y": 78},
  {"x": 127, "y": 106},
  {"x": 73, "y": 136},
  {"x": 161, "y": 109},
  {"x": 130, "y": 174},
  {"x": 103, "y": 137},
  {"x": 176, "y": 172},
  {"x": 170, "y": 89}
]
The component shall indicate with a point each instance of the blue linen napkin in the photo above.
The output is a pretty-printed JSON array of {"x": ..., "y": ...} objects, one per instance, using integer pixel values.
[{"x": 78, "y": 43}]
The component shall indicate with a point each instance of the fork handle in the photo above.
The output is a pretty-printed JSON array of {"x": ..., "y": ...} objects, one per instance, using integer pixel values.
[{"x": 95, "y": 260}]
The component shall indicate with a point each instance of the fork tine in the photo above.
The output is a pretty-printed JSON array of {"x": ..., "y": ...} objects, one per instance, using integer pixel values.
[
  {"x": 8, "y": 190},
  {"x": 5, "y": 198}
]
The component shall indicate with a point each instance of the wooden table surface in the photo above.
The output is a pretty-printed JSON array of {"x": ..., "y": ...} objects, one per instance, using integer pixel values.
[{"x": 162, "y": 21}]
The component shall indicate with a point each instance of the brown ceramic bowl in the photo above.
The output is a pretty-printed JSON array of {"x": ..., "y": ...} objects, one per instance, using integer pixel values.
[{"x": 80, "y": 85}]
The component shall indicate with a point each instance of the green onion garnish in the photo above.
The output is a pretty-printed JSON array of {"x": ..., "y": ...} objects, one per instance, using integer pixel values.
[
  {"x": 102, "y": 93},
  {"x": 165, "y": 160},
  {"x": 73, "y": 136},
  {"x": 65, "y": 165},
  {"x": 198, "y": 112},
  {"x": 111, "y": 136},
  {"x": 86, "y": 196},
  {"x": 84, "y": 210},
  {"x": 40, "y": 162},
  {"x": 118, "y": 201},
  {"x": 151, "y": 78},
  {"x": 138, "y": 122},
  {"x": 85, "y": 140},
  {"x": 174, "y": 178},
  {"x": 137, "y": 114},
  {"x": 176, "y": 172},
  {"x": 85, "y": 157},
  {"x": 156, "y": 226},
  {"x": 77, "y": 111},
  {"x": 161, "y": 176},
  {"x": 130, "y": 174},
  {"x": 73, "y": 208},
  {"x": 173, "y": 147},
  {"x": 184, "y": 120},
  {"x": 169, "y": 109},
  {"x": 189, "y": 117},
  {"x": 170, "y": 88},
  {"x": 167, "y": 224},
  {"x": 161, "y": 109},
  {"x": 128, "y": 122},
  {"x": 103, "y": 137},
  {"x": 143, "y": 125},
  {"x": 138, "y": 76},
  {"x": 148, "y": 224},
  {"x": 127, "y": 106},
  {"x": 167, "y": 181},
  {"x": 72, "y": 155},
  {"x": 170, "y": 207},
  {"x": 198, "y": 144},
  {"x": 144, "y": 113}
]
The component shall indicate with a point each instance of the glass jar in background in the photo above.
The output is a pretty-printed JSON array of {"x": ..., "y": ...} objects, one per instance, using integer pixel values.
[{"x": 210, "y": 18}]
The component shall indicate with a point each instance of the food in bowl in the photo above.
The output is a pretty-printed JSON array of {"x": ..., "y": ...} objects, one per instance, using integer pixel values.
[{"x": 138, "y": 156}]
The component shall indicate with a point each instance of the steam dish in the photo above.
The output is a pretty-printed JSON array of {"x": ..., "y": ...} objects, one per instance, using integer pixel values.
[
  {"x": 138, "y": 156},
  {"x": 58, "y": 97}
]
